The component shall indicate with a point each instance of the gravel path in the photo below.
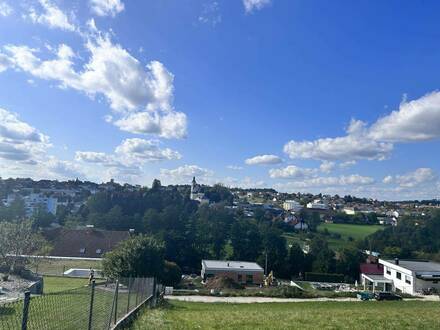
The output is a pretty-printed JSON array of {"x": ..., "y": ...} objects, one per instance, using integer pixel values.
[{"x": 251, "y": 300}]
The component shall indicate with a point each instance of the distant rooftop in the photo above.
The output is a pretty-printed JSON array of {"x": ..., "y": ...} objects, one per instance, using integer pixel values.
[
  {"x": 418, "y": 265},
  {"x": 231, "y": 265}
]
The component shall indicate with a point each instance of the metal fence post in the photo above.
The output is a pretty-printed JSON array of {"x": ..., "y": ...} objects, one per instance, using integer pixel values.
[
  {"x": 137, "y": 291},
  {"x": 113, "y": 305},
  {"x": 116, "y": 301},
  {"x": 24, "y": 320},
  {"x": 92, "y": 297},
  {"x": 129, "y": 291},
  {"x": 154, "y": 292}
]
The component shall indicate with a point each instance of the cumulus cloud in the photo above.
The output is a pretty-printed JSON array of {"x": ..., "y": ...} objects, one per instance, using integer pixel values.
[
  {"x": 130, "y": 153},
  {"x": 18, "y": 140},
  {"x": 264, "y": 160},
  {"x": 252, "y": 5},
  {"x": 106, "y": 7},
  {"x": 140, "y": 97},
  {"x": 5, "y": 9},
  {"x": 388, "y": 179},
  {"x": 332, "y": 181},
  {"x": 327, "y": 166},
  {"x": 355, "y": 145},
  {"x": 291, "y": 172},
  {"x": 145, "y": 150},
  {"x": 62, "y": 169},
  {"x": 51, "y": 16},
  {"x": 416, "y": 178},
  {"x": 184, "y": 173},
  {"x": 416, "y": 120}
]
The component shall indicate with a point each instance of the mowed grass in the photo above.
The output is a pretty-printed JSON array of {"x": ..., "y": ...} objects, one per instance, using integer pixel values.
[
  {"x": 357, "y": 232},
  {"x": 65, "y": 305},
  {"x": 303, "y": 315},
  {"x": 58, "y": 266},
  {"x": 57, "y": 284}
]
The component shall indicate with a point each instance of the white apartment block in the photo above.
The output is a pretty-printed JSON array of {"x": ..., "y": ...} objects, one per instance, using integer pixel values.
[{"x": 411, "y": 277}]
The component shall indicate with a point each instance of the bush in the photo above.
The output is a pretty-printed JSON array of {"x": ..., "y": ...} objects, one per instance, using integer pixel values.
[
  {"x": 172, "y": 274},
  {"x": 139, "y": 256}
]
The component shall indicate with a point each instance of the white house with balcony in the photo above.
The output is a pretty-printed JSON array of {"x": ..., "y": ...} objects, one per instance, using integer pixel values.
[{"x": 412, "y": 277}]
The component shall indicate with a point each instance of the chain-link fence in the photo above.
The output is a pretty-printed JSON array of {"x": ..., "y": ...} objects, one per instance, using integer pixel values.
[{"x": 101, "y": 305}]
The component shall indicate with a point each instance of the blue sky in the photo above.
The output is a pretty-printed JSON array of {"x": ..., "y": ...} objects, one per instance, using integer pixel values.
[{"x": 311, "y": 96}]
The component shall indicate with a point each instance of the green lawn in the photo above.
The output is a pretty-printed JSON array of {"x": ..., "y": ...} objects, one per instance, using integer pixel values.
[
  {"x": 303, "y": 315},
  {"x": 56, "y": 284},
  {"x": 346, "y": 230},
  {"x": 58, "y": 266}
]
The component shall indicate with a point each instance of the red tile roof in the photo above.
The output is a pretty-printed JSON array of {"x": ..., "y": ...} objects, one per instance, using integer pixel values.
[{"x": 371, "y": 269}]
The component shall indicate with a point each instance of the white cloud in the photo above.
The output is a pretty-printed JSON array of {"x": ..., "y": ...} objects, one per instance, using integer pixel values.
[
  {"x": 416, "y": 178},
  {"x": 5, "y": 9},
  {"x": 211, "y": 14},
  {"x": 332, "y": 181},
  {"x": 140, "y": 97},
  {"x": 264, "y": 160},
  {"x": 130, "y": 153},
  {"x": 415, "y": 120},
  {"x": 355, "y": 145},
  {"x": 169, "y": 125},
  {"x": 388, "y": 179},
  {"x": 234, "y": 167},
  {"x": 51, "y": 16},
  {"x": 106, "y": 7},
  {"x": 93, "y": 157},
  {"x": 291, "y": 172},
  {"x": 62, "y": 169},
  {"x": 252, "y": 5},
  {"x": 347, "y": 164},
  {"x": 19, "y": 141},
  {"x": 145, "y": 150},
  {"x": 184, "y": 173},
  {"x": 327, "y": 166}
]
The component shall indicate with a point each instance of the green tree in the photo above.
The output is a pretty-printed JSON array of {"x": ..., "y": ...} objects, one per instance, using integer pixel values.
[
  {"x": 295, "y": 260},
  {"x": 139, "y": 256}
]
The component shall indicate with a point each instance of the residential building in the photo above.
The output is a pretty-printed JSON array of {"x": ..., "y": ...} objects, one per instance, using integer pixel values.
[
  {"x": 292, "y": 205},
  {"x": 243, "y": 272},
  {"x": 410, "y": 276},
  {"x": 34, "y": 202},
  {"x": 318, "y": 205},
  {"x": 83, "y": 243}
]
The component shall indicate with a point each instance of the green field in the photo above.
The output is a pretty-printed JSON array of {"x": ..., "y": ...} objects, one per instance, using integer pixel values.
[
  {"x": 303, "y": 315},
  {"x": 57, "y": 284},
  {"x": 58, "y": 266},
  {"x": 357, "y": 232}
]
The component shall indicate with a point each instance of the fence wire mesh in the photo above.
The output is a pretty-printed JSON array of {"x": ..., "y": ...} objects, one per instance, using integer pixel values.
[{"x": 97, "y": 306}]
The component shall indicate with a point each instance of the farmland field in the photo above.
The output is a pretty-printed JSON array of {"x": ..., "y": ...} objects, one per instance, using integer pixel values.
[
  {"x": 348, "y": 230},
  {"x": 302, "y": 315}
]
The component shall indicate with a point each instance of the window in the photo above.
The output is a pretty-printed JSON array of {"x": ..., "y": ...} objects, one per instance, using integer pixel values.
[
  {"x": 98, "y": 251},
  {"x": 388, "y": 271},
  {"x": 398, "y": 275},
  {"x": 82, "y": 250},
  {"x": 407, "y": 279},
  {"x": 249, "y": 279}
]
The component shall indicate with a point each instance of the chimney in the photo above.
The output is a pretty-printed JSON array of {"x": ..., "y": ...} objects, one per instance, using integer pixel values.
[
  {"x": 131, "y": 231},
  {"x": 396, "y": 261},
  {"x": 228, "y": 264}
]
